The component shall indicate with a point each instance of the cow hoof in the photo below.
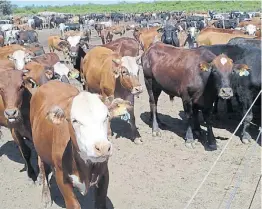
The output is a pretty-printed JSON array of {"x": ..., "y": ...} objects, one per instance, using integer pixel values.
[
  {"x": 245, "y": 141},
  {"x": 138, "y": 141},
  {"x": 212, "y": 147},
  {"x": 190, "y": 145},
  {"x": 156, "y": 133}
]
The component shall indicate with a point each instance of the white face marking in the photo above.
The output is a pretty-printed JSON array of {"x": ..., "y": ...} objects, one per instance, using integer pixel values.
[
  {"x": 130, "y": 64},
  {"x": 61, "y": 69},
  {"x": 251, "y": 29},
  {"x": 192, "y": 31},
  {"x": 73, "y": 40},
  {"x": 79, "y": 185},
  {"x": 223, "y": 60},
  {"x": 89, "y": 117},
  {"x": 19, "y": 59}
]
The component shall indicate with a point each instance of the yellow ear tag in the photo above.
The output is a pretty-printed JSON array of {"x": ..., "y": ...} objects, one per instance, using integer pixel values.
[{"x": 243, "y": 72}]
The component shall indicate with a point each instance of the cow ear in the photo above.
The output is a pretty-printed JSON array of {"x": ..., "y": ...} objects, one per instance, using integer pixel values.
[
  {"x": 117, "y": 61},
  {"x": 56, "y": 115},
  {"x": 204, "y": 66},
  {"x": 241, "y": 69},
  {"x": 49, "y": 74},
  {"x": 119, "y": 107}
]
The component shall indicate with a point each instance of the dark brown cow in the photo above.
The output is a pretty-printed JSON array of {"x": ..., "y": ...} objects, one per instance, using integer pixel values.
[
  {"x": 14, "y": 112},
  {"x": 125, "y": 46},
  {"x": 106, "y": 36},
  {"x": 48, "y": 59},
  {"x": 106, "y": 73},
  {"x": 70, "y": 135},
  {"x": 197, "y": 76}
]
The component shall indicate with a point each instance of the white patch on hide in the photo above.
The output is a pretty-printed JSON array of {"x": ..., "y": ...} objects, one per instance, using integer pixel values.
[{"x": 223, "y": 60}]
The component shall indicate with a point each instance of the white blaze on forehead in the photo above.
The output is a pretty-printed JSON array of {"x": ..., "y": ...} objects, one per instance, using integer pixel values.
[
  {"x": 19, "y": 59},
  {"x": 223, "y": 60},
  {"x": 192, "y": 31},
  {"x": 73, "y": 40},
  {"x": 130, "y": 64},
  {"x": 61, "y": 69},
  {"x": 91, "y": 126}
]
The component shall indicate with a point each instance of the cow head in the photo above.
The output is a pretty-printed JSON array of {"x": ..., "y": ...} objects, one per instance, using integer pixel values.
[
  {"x": 11, "y": 91},
  {"x": 251, "y": 29},
  {"x": 20, "y": 58},
  {"x": 89, "y": 118},
  {"x": 35, "y": 74},
  {"x": 62, "y": 73},
  {"x": 74, "y": 43},
  {"x": 222, "y": 69},
  {"x": 192, "y": 31},
  {"x": 169, "y": 35},
  {"x": 128, "y": 69}
]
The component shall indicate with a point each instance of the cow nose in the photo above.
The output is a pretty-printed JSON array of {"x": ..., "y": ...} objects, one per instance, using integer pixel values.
[
  {"x": 11, "y": 113},
  {"x": 103, "y": 149},
  {"x": 137, "y": 90},
  {"x": 225, "y": 93}
]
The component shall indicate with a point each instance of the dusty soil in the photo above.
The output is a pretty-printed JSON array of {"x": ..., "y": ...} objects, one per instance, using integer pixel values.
[{"x": 160, "y": 174}]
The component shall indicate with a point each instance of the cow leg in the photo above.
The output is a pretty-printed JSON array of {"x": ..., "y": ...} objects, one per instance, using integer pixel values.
[
  {"x": 67, "y": 191},
  {"x": 101, "y": 191},
  {"x": 153, "y": 92},
  {"x": 197, "y": 129},
  {"x": 46, "y": 195},
  {"x": 215, "y": 109},
  {"x": 210, "y": 135},
  {"x": 245, "y": 136},
  {"x": 26, "y": 154},
  {"x": 188, "y": 108},
  {"x": 135, "y": 134}
]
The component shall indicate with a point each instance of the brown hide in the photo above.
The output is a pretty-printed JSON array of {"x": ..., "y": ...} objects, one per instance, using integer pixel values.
[
  {"x": 125, "y": 46},
  {"x": 48, "y": 59},
  {"x": 211, "y": 38},
  {"x": 147, "y": 36}
]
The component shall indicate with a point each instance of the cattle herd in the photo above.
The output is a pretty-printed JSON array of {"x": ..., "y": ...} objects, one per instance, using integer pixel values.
[{"x": 201, "y": 58}]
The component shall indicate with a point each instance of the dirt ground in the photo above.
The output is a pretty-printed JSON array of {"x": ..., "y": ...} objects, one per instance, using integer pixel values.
[{"x": 160, "y": 174}]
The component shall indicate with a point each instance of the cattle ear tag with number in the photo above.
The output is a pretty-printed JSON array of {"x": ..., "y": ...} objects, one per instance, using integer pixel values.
[
  {"x": 125, "y": 116},
  {"x": 243, "y": 72},
  {"x": 204, "y": 67}
]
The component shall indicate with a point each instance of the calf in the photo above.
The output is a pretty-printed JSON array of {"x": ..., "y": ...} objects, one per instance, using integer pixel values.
[
  {"x": 111, "y": 75},
  {"x": 247, "y": 86},
  {"x": 14, "y": 112},
  {"x": 196, "y": 75},
  {"x": 70, "y": 135}
]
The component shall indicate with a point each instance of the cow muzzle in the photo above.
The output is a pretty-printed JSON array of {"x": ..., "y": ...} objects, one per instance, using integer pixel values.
[
  {"x": 225, "y": 93},
  {"x": 12, "y": 115},
  {"x": 137, "y": 90}
]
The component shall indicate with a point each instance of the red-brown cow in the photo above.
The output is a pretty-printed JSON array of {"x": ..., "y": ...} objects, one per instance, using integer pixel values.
[
  {"x": 70, "y": 135},
  {"x": 197, "y": 76}
]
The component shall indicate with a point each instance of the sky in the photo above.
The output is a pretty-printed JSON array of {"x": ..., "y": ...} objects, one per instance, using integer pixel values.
[{"x": 22, "y": 3}]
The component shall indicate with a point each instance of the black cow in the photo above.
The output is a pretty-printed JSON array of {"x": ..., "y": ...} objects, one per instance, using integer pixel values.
[
  {"x": 38, "y": 23},
  {"x": 28, "y": 36},
  {"x": 245, "y": 41},
  {"x": 72, "y": 26},
  {"x": 169, "y": 35},
  {"x": 244, "y": 87},
  {"x": 227, "y": 24}
]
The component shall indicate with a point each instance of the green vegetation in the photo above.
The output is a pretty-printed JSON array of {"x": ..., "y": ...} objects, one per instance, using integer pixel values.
[{"x": 190, "y": 6}]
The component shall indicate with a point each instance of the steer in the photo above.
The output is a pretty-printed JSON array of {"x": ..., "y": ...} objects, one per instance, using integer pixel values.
[
  {"x": 20, "y": 58},
  {"x": 248, "y": 85},
  {"x": 197, "y": 76},
  {"x": 14, "y": 111},
  {"x": 111, "y": 75},
  {"x": 69, "y": 131}
]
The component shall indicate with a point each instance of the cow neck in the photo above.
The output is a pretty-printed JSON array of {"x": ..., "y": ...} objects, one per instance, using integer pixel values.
[{"x": 89, "y": 173}]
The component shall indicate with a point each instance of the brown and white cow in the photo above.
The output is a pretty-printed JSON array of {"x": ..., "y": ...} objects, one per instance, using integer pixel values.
[
  {"x": 70, "y": 135},
  {"x": 111, "y": 75}
]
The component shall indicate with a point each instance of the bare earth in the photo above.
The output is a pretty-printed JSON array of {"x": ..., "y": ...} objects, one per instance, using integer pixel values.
[{"x": 160, "y": 174}]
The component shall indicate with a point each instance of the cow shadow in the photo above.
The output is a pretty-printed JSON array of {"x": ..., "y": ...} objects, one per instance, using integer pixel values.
[
  {"x": 11, "y": 150},
  {"x": 85, "y": 201},
  {"x": 169, "y": 123},
  {"x": 121, "y": 128}
]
